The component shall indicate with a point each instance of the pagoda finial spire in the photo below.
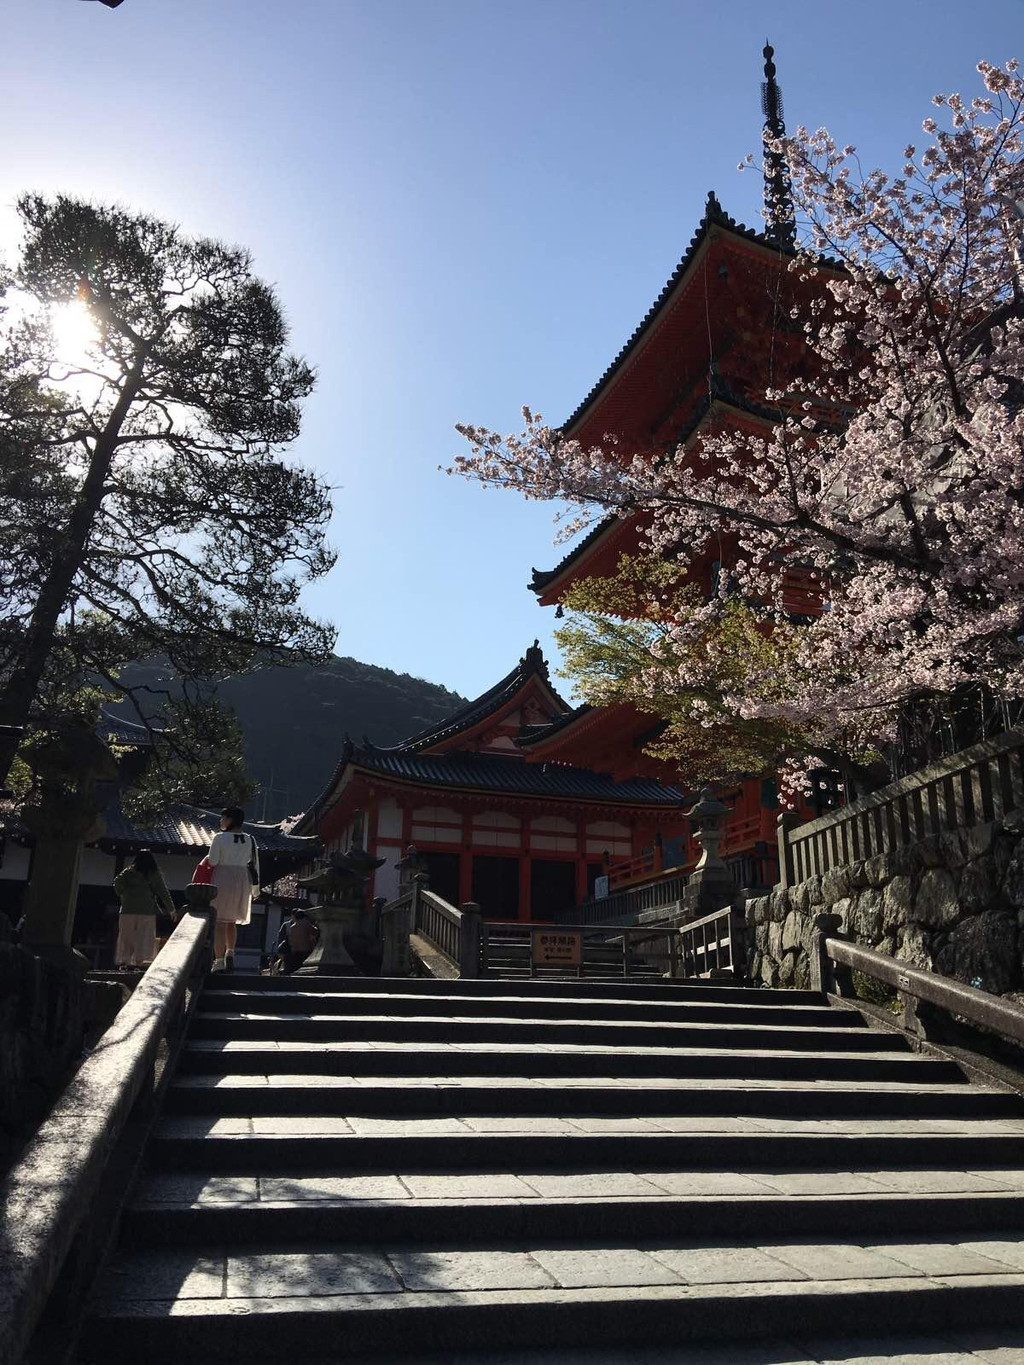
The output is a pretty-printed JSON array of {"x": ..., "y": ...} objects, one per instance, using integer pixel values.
[{"x": 778, "y": 189}]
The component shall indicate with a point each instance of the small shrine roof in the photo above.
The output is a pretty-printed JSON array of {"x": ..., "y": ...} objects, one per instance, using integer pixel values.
[
  {"x": 189, "y": 827},
  {"x": 531, "y": 665}
]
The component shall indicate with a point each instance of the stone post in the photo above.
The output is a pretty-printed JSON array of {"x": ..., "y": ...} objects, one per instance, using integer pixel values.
[
  {"x": 824, "y": 975},
  {"x": 469, "y": 942},
  {"x": 786, "y": 822},
  {"x": 396, "y": 922},
  {"x": 77, "y": 775}
]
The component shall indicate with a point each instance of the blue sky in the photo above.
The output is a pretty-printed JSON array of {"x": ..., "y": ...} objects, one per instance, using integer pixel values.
[{"x": 466, "y": 205}]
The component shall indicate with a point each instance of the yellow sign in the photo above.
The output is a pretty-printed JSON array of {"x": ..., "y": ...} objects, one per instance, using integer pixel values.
[{"x": 557, "y": 950}]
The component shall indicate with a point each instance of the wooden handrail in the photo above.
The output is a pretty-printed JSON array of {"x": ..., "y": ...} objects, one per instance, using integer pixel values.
[{"x": 57, "y": 1193}]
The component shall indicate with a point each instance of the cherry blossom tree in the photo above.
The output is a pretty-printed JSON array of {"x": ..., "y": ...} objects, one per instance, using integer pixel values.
[{"x": 895, "y": 480}]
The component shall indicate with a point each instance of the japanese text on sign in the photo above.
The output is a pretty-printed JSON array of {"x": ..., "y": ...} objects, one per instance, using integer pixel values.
[{"x": 557, "y": 950}]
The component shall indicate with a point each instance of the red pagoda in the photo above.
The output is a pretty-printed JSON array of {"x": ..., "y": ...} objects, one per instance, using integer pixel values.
[{"x": 720, "y": 335}]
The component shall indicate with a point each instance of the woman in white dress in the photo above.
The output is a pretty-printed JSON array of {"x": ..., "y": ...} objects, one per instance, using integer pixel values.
[{"x": 236, "y": 874}]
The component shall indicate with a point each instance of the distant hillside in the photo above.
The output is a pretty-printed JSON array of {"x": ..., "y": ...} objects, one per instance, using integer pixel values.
[{"x": 295, "y": 720}]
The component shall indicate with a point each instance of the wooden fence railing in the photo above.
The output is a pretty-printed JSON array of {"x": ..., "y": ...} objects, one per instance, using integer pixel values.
[
  {"x": 710, "y": 946},
  {"x": 834, "y": 958},
  {"x": 625, "y": 906},
  {"x": 714, "y": 945},
  {"x": 556, "y": 951},
  {"x": 972, "y": 787}
]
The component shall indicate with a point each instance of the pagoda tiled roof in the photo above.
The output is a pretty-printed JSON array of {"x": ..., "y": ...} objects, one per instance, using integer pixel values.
[
  {"x": 722, "y": 393},
  {"x": 714, "y": 216},
  {"x": 484, "y": 772},
  {"x": 532, "y": 664}
]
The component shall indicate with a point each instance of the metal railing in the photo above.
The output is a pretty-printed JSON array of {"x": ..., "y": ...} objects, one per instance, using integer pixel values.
[
  {"x": 62, "y": 1200},
  {"x": 979, "y": 784}
]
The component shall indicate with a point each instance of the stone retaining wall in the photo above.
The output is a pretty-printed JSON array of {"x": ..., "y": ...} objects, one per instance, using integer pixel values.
[{"x": 953, "y": 904}]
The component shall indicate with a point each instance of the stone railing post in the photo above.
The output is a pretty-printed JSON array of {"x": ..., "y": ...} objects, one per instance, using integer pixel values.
[
  {"x": 420, "y": 883},
  {"x": 786, "y": 822},
  {"x": 396, "y": 926},
  {"x": 824, "y": 976},
  {"x": 469, "y": 940}
]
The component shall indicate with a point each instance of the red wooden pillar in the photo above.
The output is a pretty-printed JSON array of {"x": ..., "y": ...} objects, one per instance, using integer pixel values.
[
  {"x": 466, "y": 876},
  {"x": 371, "y": 841},
  {"x": 524, "y": 884},
  {"x": 581, "y": 861}
]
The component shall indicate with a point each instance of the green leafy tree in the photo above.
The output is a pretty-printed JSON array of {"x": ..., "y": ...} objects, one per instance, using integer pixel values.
[
  {"x": 146, "y": 398},
  {"x": 619, "y": 646}
]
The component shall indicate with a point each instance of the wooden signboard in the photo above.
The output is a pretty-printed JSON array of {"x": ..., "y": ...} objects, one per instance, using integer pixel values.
[{"x": 557, "y": 949}]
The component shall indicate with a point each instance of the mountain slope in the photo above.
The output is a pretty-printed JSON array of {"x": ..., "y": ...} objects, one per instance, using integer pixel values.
[{"x": 295, "y": 720}]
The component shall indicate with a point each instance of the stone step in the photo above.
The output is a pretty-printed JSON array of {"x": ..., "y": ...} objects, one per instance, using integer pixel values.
[
  {"x": 526, "y": 1097},
  {"x": 184, "y": 1210},
  {"x": 679, "y": 992},
  {"x": 222, "y": 1000},
  {"x": 450, "y": 1144},
  {"x": 512, "y": 1031},
  {"x": 359, "y": 1058},
  {"x": 205, "y": 1305}
]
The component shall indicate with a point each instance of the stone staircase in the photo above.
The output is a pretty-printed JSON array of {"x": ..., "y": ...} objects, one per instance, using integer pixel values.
[{"x": 354, "y": 1168}]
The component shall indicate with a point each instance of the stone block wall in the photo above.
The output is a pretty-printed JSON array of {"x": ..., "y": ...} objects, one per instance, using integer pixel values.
[{"x": 953, "y": 904}]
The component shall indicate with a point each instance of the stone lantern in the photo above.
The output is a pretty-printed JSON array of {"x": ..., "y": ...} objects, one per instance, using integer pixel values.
[
  {"x": 710, "y": 815},
  {"x": 341, "y": 883},
  {"x": 409, "y": 868}
]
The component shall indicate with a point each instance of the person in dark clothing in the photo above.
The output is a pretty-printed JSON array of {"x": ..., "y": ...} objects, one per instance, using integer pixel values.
[
  {"x": 143, "y": 895},
  {"x": 299, "y": 936}
]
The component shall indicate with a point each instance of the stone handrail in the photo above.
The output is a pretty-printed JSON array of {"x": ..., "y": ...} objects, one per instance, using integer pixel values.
[
  {"x": 58, "y": 1204},
  {"x": 454, "y": 932},
  {"x": 977, "y": 785},
  {"x": 715, "y": 945},
  {"x": 979, "y": 1007}
]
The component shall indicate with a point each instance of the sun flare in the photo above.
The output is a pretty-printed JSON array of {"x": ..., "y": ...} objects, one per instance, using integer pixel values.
[{"x": 74, "y": 332}]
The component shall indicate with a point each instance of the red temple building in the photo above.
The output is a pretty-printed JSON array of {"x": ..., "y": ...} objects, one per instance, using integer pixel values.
[{"x": 524, "y": 840}]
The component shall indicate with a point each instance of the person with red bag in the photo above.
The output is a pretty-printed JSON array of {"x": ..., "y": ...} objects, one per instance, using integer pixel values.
[
  {"x": 203, "y": 875},
  {"x": 236, "y": 874}
]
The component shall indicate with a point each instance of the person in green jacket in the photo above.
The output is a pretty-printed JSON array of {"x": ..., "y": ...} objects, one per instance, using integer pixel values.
[{"x": 142, "y": 893}]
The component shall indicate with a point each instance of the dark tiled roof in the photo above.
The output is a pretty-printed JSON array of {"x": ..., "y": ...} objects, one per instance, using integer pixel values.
[
  {"x": 188, "y": 827},
  {"x": 115, "y": 730},
  {"x": 493, "y": 772},
  {"x": 542, "y": 577},
  {"x": 532, "y": 663},
  {"x": 536, "y": 734}
]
